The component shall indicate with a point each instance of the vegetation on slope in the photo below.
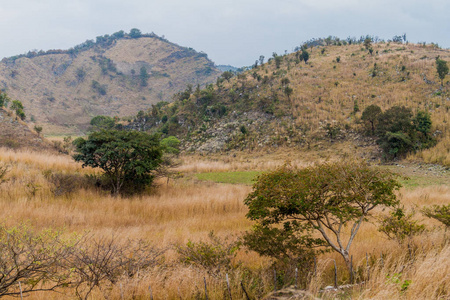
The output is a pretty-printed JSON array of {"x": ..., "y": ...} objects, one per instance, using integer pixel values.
[
  {"x": 116, "y": 75},
  {"x": 302, "y": 100}
]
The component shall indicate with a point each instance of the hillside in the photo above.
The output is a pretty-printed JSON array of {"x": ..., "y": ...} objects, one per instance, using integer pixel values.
[
  {"x": 15, "y": 134},
  {"x": 287, "y": 102},
  {"x": 117, "y": 75}
]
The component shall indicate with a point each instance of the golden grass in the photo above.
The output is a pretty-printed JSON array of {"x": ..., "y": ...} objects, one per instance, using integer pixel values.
[{"x": 187, "y": 209}]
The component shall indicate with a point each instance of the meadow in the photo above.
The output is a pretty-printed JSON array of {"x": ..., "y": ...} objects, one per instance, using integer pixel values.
[{"x": 207, "y": 196}]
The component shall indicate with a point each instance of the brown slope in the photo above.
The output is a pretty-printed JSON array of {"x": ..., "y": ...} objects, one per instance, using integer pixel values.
[
  {"x": 15, "y": 134},
  {"x": 54, "y": 96}
]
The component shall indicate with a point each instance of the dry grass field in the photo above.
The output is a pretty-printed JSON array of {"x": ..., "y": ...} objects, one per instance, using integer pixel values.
[{"x": 188, "y": 209}]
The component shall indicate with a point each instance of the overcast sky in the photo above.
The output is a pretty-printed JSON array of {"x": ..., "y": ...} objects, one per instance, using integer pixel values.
[{"x": 232, "y": 32}]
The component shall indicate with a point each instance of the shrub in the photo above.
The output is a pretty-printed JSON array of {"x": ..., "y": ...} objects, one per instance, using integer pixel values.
[
  {"x": 398, "y": 225},
  {"x": 440, "y": 213},
  {"x": 214, "y": 256}
]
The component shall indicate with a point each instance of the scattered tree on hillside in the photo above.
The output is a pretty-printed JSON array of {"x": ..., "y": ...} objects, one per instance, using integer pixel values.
[
  {"x": 371, "y": 114},
  {"x": 367, "y": 43},
  {"x": 126, "y": 157},
  {"x": 17, "y": 106},
  {"x": 304, "y": 56},
  {"x": 4, "y": 99},
  {"x": 227, "y": 75},
  {"x": 38, "y": 129},
  {"x": 442, "y": 69},
  {"x": 143, "y": 76},
  {"x": 291, "y": 203},
  {"x": 135, "y": 33}
]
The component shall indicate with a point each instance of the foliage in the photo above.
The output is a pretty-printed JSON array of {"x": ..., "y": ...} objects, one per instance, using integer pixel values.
[
  {"x": 398, "y": 225},
  {"x": 438, "y": 212},
  {"x": 370, "y": 115},
  {"x": 99, "y": 88},
  {"x": 38, "y": 129},
  {"x": 214, "y": 256},
  {"x": 102, "y": 122},
  {"x": 171, "y": 145},
  {"x": 135, "y": 33},
  {"x": 126, "y": 157},
  {"x": 143, "y": 76},
  {"x": 304, "y": 56},
  {"x": 4, "y": 99},
  {"x": 326, "y": 198},
  {"x": 442, "y": 69},
  {"x": 17, "y": 106}
]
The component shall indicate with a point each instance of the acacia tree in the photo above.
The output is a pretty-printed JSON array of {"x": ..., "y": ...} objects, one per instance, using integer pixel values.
[
  {"x": 327, "y": 198},
  {"x": 124, "y": 156}
]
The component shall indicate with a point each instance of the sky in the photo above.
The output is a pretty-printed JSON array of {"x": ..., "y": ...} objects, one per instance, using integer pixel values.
[{"x": 231, "y": 32}]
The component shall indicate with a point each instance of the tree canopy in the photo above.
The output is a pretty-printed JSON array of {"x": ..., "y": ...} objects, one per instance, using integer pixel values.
[
  {"x": 126, "y": 157},
  {"x": 290, "y": 203}
]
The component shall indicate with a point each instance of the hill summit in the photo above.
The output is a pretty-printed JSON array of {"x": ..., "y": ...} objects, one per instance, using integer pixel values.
[{"x": 116, "y": 75}]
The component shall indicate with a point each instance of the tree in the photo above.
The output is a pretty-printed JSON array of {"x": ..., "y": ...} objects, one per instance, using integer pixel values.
[
  {"x": 18, "y": 107},
  {"x": 368, "y": 43},
  {"x": 143, "y": 76},
  {"x": 324, "y": 198},
  {"x": 102, "y": 122},
  {"x": 38, "y": 129},
  {"x": 4, "y": 99},
  {"x": 442, "y": 69},
  {"x": 440, "y": 213},
  {"x": 304, "y": 56},
  {"x": 126, "y": 157},
  {"x": 288, "y": 91},
  {"x": 135, "y": 33},
  {"x": 371, "y": 114}
]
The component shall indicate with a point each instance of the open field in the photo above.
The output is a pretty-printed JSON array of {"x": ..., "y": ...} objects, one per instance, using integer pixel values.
[{"x": 188, "y": 208}]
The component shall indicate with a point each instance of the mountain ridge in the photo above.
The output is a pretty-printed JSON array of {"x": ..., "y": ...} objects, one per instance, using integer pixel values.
[{"x": 63, "y": 89}]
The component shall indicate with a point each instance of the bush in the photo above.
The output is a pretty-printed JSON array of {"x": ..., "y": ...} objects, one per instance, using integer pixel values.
[
  {"x": 398, "y": 225},
  {"x": 214, "y": 256},
  {"x": 440, "y": 213}
]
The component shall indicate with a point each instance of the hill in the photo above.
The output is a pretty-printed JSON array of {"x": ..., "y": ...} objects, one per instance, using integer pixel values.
[
  {"x": 15, "y": 134},
  {"x": 287, "y": 102},
  {"x": 117, "y": 75}
]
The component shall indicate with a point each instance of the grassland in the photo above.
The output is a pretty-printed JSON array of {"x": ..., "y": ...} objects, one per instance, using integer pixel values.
[{"x": 189, "y": 209}]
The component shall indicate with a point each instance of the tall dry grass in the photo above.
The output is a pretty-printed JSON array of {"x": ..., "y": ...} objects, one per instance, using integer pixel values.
[{"x": 187, "y": 209}]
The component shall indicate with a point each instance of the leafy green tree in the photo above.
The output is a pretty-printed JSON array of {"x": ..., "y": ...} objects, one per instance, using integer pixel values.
[
  {"x": 171, "y": 145},
  {"x": 396, "y": 144},
  {"x": 324, "y": 198},
  {"x": 368, "y": 43},
  {"x": 135, "y": 33},
  {"x": 288, "y": 91},
  {"x": 370, "y": 116},
  {"x": 442, "y": 69},
  {"x": 227, "y": 75},
  {"x": 395, "y": 119},
  {"x": 102, "y": 122},
  {"x": 422, "y": 122},
  {"x": 143, "y": 76},
  {"x": 4, "y": 99},
  {"x": 304, "y": 56},
  {"x": 38, "y": 129},
  {"x": 126, "y": 157},
  {"x": 17, "y": 106}
]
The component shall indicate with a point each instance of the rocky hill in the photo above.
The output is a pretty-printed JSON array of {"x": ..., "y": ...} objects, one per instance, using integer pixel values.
[
  {"x": 291, "y": 102},
  {"x": 116, "y": 75}
]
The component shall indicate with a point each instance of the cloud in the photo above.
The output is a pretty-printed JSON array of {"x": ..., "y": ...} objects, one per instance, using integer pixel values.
[{"x": 229, "y": 31}]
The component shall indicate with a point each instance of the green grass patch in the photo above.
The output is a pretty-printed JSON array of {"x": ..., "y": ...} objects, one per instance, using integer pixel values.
[
  {"x": 423, "y": 181},
  {"x": 242, "y": 177}
]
